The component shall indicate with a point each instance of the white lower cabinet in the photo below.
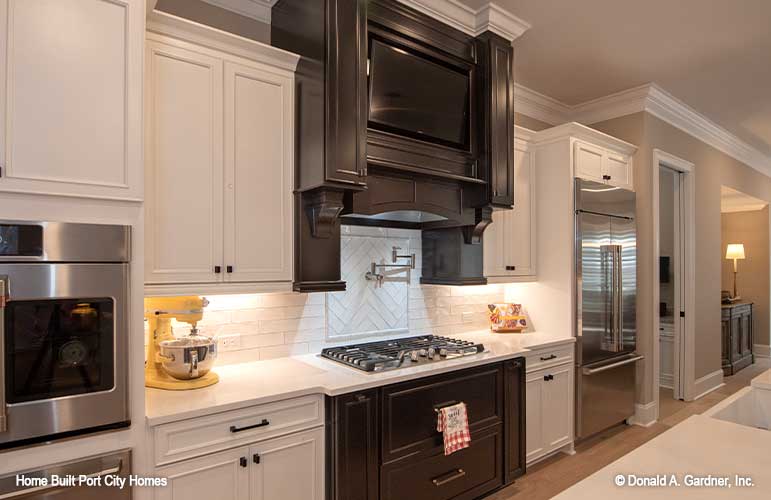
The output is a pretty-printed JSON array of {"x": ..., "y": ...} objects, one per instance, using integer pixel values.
[
  {"x": 221, "y": 476},
  {"x": 289, "y": 468},
  {"x": 285, "y": 468},
  {"x": 549, "y": 408}
]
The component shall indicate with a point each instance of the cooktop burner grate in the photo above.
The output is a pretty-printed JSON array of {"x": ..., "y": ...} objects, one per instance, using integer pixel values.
[{"x": 396, "y": 353}]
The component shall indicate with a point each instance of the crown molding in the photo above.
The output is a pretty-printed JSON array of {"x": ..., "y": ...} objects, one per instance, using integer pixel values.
[
  {"x": 539, "y": 106},
  {"x": 646, "y": 98},
  {"x": 490, "y": 17},
  {"x": 256, "y": 9}
]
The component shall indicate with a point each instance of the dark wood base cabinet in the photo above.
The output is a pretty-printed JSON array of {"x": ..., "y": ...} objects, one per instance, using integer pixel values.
[
  {"x": 737, "y": 337},
  {"x": 383, "y": 445}
]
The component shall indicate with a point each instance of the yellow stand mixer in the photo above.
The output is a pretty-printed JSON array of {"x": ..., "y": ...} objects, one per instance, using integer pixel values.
[{"x": 178, "y": 363}]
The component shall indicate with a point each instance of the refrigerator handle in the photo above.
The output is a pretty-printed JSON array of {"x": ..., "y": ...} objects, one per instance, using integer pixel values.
[{"x": 618, "y": 308}]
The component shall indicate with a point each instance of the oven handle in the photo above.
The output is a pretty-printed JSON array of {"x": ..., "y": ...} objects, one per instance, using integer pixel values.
[
  {"x": 5, "y": 291},
  {"x": 40, "y": 489}
]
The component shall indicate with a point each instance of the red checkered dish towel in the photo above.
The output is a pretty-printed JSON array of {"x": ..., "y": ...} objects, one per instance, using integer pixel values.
[{"x": 452, "y": 422}]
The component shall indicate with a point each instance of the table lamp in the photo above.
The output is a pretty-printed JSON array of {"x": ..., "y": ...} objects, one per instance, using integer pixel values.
[{"x": 735, "y": 251}]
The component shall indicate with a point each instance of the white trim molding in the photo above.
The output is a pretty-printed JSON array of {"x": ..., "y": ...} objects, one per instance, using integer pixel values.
[
  {"x": 539, "y": 106},
  {"x": 708, "y": 383},
  {"x": 258, "y": 10},
  {"x": 489, "y": 17},
  {"x": 644, "y": 415},
  {"x": 761, "y": 351},
  {"x": 646, "y": 98}
]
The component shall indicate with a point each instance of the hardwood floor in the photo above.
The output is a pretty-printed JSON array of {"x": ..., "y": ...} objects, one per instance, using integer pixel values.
[{"x": 554, "y": 475}]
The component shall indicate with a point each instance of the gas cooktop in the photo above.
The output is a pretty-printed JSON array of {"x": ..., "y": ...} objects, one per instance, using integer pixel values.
[{"x": 400, "y": 353}]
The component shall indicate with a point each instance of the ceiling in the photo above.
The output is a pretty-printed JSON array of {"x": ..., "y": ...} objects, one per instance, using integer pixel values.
[
  {"x": 732, "y": 200},
  {"x": 711, "y": 54}
]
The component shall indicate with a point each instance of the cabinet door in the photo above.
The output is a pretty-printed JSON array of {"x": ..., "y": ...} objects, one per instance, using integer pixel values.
[
  {"x": 184, "y": 209},
  {"x": 618, "y": 169},
  {"x": 353, "y": 446},
  {"x": 71, "y": 97},
  {"x": 289, "y": 468},
  {"x": 509, "y": 242},
  {"x": 557, "y": 407},
  {"x": 346, "y": 88},
  {"x": 502, "y": 171},
  {"x": 534, "y": 430},
  {"x": 515, "y": 424},
  {"x": 258, "y": 174},
  {"x": 588, "y": 161},
  {"x": 224, "y": 476}
]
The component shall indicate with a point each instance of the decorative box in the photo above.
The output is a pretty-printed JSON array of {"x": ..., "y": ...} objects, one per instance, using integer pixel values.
[{"x": 507, "y": 318}]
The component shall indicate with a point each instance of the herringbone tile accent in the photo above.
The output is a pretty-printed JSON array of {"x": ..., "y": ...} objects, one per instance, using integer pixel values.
[{"x": 364, "y": 309}]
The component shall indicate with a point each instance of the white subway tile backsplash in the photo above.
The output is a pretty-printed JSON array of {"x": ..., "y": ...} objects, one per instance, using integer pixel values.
[{"x": 278, "y": 325}]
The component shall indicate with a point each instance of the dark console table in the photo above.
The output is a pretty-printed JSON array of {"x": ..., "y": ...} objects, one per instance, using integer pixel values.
[{"x": 737, "y": 336}]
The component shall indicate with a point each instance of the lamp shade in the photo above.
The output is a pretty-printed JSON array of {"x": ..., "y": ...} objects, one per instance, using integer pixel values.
[{"x": 734, "y": 251}]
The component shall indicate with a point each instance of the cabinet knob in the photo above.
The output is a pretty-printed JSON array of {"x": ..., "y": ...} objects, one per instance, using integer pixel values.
[
  {"x": 229, "y": 269},
  {"x": 606, "y": 177},
  {"x": 242, "y": 462},
  {"x": 256, "y": 458},
  {"x": 217, "y": 269},
  {"x": 511, "y": 268}
]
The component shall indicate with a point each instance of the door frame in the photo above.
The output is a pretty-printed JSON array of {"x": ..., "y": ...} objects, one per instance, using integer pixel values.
[{"x": 685, "y": 345}]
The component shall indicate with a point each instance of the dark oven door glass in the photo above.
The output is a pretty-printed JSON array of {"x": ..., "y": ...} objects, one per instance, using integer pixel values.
[{"x": 58, "y": 347}]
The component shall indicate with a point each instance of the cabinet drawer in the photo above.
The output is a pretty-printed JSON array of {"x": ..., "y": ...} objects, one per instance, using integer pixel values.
[
  {"x": 409, "y": 409},
  {"x": 545, "y": 358},
  {"x": 465, "y": 474},
  {"x": 198, "y": 436}
]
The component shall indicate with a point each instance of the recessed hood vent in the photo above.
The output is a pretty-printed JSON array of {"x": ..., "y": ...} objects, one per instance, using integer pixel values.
[
  {"x": 439, "y": 160},
  {"x": 398, "y": 216}
]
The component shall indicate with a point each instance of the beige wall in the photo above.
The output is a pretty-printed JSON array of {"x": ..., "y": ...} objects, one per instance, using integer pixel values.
[
  {"x": 213, "y": 16},
  {"x": 751, "y": 229},
  {"x": 712, "y": 169}
]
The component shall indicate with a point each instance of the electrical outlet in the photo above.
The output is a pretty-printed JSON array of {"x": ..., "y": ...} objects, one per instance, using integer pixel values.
[
  {"x": 467, "y": 317},
  {"x": 229, "y": 342}
]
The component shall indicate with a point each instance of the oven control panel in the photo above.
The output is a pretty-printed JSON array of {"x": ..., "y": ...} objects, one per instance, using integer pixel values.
[{"x": 21, "y": 240}]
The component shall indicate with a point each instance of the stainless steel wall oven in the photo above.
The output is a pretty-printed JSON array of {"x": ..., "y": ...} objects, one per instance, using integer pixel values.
[{"x": 63, "y": 330}]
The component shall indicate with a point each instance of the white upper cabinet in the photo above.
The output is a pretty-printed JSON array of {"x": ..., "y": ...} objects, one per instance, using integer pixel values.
[
  {"x": 183, "y": 227},
  {"x": 594, "y": 155},
  {"x": 604, "y": 165},
  {"x": 258, "y": 149},
  {"x": 71, "y": 97},
  {"x": 510, "y": 241},
  {"x": 219, "y": 164}
]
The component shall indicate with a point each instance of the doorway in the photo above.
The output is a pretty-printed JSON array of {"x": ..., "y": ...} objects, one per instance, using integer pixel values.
[{"x": 673, "y": 279}]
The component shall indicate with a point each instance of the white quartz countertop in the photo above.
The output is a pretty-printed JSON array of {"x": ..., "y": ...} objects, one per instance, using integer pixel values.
[
  {"x": 248, "y": 384},
  {"x": 700, "y": 446}
]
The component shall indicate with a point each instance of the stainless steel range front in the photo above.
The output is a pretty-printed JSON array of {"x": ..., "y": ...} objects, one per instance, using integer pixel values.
[{"x": 63, "y": 330}]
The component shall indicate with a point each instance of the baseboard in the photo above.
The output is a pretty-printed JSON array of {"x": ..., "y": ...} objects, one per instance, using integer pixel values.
[
  {"x": 708, "y": 383},
  {"x": 644, "y": 415},
  {"x": 761, "y": 351}
]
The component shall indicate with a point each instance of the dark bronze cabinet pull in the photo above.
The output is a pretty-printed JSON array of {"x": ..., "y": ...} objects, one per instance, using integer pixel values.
[
  {"x": 449, "y": 477},
  {"x": 264, "y": 422},
  {"x": 256, "y": 458},
  {"x": 547, "y": 358},
  {"x": 217, "y": 269},
  {"x": 511, "y": 268},
  {"x": 242, "y": 461}
]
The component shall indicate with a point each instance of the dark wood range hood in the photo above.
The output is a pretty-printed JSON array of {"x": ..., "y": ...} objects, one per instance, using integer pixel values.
[{"x": 353, "y": 166}]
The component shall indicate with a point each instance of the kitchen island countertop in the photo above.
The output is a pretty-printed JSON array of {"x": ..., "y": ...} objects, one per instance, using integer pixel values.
[
  {"x": 258, "y": 382},
  {"x": 698, "y": 447}
]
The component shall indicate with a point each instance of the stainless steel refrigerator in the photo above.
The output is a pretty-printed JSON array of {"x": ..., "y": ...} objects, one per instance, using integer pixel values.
[{"x": 606, "y": 289}]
